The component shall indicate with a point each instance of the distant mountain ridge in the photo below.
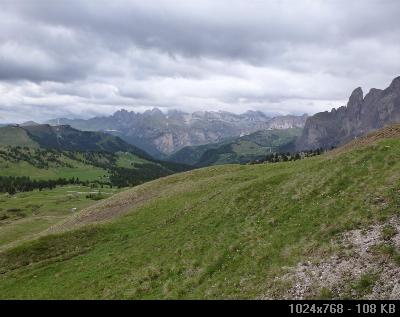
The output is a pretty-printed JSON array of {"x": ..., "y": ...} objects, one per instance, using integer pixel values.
[
  {"x": 243, "y": 149},
  {"x": 161, "y": 134},
  {"x": 362, "y": 114},
  {"x": 126, "y": 164},
  {"x": 66, "y": 138},
  {"x": 13, "y": 135},
  {"x": 28, "y": 123}
]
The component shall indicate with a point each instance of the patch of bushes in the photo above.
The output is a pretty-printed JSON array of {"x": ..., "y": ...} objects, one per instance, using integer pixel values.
[
  {"x": 325, "y": 293},
  {"x": 96, "y": 196},
  {"x": 388, "y": 232},
  {"x": 388, "y": 250},
  {"x": 4, "y": 217},
  {"x": 365, "y": 283},
  {"x": 13, "y": 209},
  {"x": 33, "y": 207}
]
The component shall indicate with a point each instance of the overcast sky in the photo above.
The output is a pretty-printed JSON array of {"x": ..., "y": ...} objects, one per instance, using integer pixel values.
[{"x": 86, "y": 58}]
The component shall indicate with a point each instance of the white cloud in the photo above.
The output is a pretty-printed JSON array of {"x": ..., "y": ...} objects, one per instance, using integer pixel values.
[{"x": 82, "y": 59}]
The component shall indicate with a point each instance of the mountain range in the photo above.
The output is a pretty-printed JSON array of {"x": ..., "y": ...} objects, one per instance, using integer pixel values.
[
  {"x": 161, "y": 134},
  {"x": 361, "y": 115},
  {"x": 242, "y": 149},
  {"x": 209, "y": 137}
]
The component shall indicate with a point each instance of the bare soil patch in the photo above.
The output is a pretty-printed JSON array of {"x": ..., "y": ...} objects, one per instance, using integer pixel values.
[{"x": 359, "y": 270}]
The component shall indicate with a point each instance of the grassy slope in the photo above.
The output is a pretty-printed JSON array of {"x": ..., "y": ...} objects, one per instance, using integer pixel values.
[
  {"x": 84, "y": 171},
  {"x": 26, "y": 214},
  {"x": 129, "y": 160},
  {"x": 67, "y": 138},
  {"x": 23, "y": 168},
  {"x": 218, "y": 232},
  {"x": 15, "y": 136}
]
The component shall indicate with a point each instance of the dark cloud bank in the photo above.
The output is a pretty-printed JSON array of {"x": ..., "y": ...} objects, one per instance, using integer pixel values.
[{"x": 84, "y": 58}]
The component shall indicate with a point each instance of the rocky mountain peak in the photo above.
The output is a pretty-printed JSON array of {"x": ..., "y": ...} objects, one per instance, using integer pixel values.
[
  {"x": 121, "y": 113},
  {"x": 28, "y": 123},
  {"x": 154, "y": 112},
  {"x": 255, "y": 115},
  {"x": 372, "y": 94},
  {"x": 356, "y": 97},
  {"x": 395, "y": 85},
  {"x": 362, "y": 115}
]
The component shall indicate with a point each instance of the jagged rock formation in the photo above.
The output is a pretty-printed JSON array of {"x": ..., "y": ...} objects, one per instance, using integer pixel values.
[
  {"x": 361, "y": 115},
  {"x": 161, "y": 133}
]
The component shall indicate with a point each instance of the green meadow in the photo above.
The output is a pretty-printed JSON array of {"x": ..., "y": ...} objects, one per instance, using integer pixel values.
[
  {"x": 217, "y": 232},
  {"x": 24, "y": 215}
]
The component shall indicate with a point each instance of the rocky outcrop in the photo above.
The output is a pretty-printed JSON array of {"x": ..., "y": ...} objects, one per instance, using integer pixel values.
[
  {"x": 332, "y": 274},
  {"x": 287, "y": 122},
  {"x": 361, "y": 115}
]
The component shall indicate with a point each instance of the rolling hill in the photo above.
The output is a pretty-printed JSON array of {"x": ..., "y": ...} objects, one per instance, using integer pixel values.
[
  {"x": 16, "y": 136},
  {"x": 321, "y": 227},
  {"x": 44, "y": 152},
  {"x": 240, "y": 150},
  {"x": 66, "y": 138}
]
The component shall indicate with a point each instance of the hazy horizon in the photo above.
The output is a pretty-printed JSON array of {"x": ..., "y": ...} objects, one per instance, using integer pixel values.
[
  {"x": 81, "y": 59},
  {"x": 165, "y": 111}
]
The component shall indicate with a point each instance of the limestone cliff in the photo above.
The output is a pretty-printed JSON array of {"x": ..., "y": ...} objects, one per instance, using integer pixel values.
[{"x": 361, "y": 115}]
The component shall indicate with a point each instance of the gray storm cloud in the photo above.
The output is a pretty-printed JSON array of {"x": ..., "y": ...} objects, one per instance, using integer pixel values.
[{"x": 84, "y": 58}]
